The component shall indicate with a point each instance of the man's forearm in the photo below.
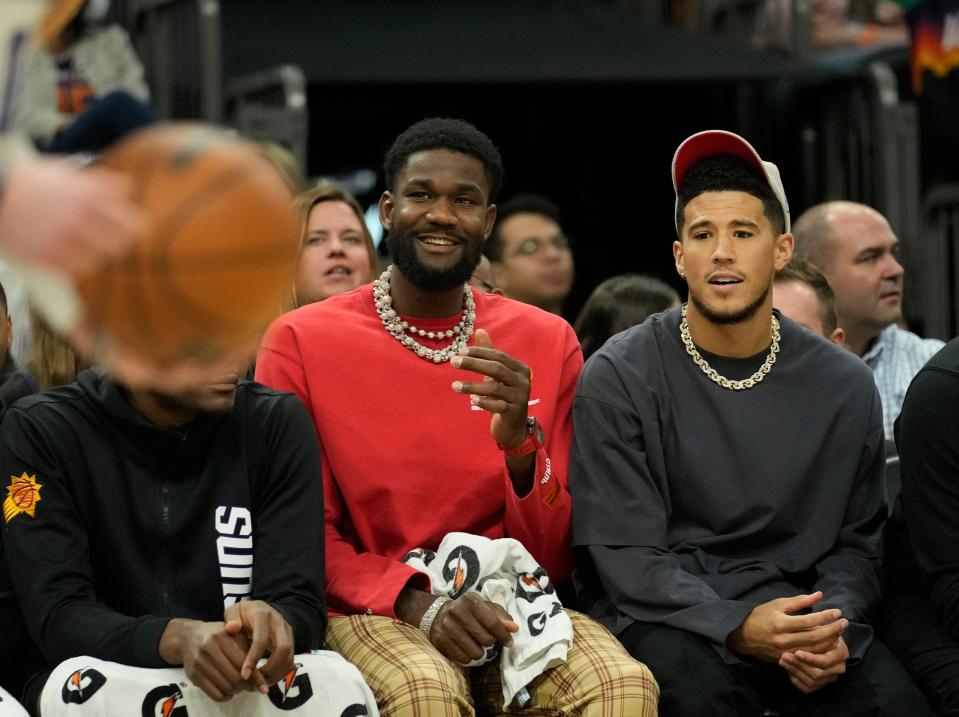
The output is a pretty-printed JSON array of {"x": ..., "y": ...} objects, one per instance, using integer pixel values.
[{"x": 521, "y": 470}]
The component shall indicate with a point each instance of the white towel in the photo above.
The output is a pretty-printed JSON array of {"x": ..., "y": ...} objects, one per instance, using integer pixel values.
[
  {"x": 322, "y": 683},
  {"x": 503, "y": 572}
]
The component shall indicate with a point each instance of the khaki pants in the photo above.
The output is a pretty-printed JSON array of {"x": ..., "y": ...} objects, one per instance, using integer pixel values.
[{"x": 410, "y": 678}]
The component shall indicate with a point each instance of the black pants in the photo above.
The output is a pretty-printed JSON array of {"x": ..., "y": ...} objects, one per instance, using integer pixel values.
[
  {"x": 16, "y": 648},
  {"x": 109, "y": 119},
  {"x": 694, "y": 680},
  {"x": 929, "y": 655}
]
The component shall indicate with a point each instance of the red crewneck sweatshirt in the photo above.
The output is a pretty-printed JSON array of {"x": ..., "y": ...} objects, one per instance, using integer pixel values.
[{"x": 405, "y": 459}]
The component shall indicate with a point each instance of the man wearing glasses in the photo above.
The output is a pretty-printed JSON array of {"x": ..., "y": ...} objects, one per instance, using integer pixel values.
[{"x": 530, "y": 255}]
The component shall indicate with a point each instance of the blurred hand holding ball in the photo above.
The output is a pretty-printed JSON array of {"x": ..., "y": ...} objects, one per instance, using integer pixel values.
[{"x": 213, "y": 264}]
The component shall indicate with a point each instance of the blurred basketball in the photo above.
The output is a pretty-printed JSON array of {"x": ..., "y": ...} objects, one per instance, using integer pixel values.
[{"x": 215, "y": 262}]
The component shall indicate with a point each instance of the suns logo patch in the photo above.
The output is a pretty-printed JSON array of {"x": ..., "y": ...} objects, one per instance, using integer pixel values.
[{"x": 23, "y": 494}]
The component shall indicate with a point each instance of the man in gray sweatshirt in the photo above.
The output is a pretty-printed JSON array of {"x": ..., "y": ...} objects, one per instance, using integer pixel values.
[{"x": 726, "y": 475}]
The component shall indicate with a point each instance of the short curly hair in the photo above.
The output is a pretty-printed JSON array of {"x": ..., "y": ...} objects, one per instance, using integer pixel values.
[
  {"x": 728, "y": 173},
  {"x": 444, "y": 133}
]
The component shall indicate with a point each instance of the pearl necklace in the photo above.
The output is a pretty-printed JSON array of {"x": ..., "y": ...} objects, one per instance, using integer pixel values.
[
  {"x": 397, "y": 328},
  {"x": 715, "y": 375}
]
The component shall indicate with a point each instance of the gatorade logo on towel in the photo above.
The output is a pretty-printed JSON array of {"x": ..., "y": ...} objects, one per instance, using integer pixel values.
[
  {"x": 162, "y": 702},
  {"x": 292, "y": 691},
  {"x": 81, "y": 686}
]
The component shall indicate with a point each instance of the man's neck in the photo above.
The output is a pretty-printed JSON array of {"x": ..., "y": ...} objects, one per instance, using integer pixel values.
[
  {"x": 412, "y": 300},
  {"x": 160, "y": 411},
  {"x": 860, "y": 340},
  {"x": 739, "y": 340}
]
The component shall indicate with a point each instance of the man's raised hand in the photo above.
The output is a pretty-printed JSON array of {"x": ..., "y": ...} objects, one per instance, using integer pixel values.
[{"x": 504, "y": 390}]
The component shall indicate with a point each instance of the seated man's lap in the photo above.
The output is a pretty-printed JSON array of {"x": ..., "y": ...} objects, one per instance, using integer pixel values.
[
  {"x": 404, "y": 669},
  {"x": 681, "y": 659},
  {"x": 401, "y": 666},
  {"x": 929, "y": 655},
  {"x": 322, "y": 684}
]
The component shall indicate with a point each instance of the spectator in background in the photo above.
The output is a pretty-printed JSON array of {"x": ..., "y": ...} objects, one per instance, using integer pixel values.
[
  {"x": 7, "y": 366},
  {"x": 802, "y": 293},
  {"x": 856, "y": 250},
  {"x": 835, "y": 24},
  {"x": 619, "y": 303},
  {"x": 921, "y": 608},
  {"x": 86, "y": 89},
  {"x": 53, "y": 362},
  {"x": 934, "y": 62},
  {"x": 338, "y": 253},
  {"x": 530, "y": 254},
  {"x": 15, "y": 383}
]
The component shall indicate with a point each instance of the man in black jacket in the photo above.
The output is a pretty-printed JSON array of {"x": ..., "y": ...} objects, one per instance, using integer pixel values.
[
  {"x": 151, "y": 530},
  {"x": 920, "y": 618}
]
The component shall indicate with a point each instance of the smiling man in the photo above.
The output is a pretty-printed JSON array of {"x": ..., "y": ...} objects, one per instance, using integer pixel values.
[
  {"x": 726, "y": 475},
  {"x": 441, "y": 409},
  {"x": 857, "y": 251}
]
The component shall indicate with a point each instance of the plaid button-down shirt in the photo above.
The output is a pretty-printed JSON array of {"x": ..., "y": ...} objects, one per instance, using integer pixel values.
[{"x": 895, "y": 357}]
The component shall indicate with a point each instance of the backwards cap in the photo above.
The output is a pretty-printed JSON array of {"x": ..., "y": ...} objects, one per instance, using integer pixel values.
[{"x": 716, "y": 141}]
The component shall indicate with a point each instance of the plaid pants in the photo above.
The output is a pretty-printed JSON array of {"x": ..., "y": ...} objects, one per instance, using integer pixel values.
[{"x": 410, "y": 678}]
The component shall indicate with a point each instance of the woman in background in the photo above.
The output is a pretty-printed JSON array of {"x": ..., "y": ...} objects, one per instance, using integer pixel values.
[
  {"x": 338, "y": 253},
  {"x": 619, "y": 303}
]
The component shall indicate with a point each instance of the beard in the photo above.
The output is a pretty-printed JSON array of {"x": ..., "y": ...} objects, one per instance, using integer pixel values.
[
  {"x": 730, "y": 317},
  {"x": 403, "y": 252}
]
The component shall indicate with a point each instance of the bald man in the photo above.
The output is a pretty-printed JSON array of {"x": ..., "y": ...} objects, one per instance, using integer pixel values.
[{"x": 856, "y": 250}]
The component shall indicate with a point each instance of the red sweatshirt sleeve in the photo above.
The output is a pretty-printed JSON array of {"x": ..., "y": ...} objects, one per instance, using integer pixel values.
[
  {"x": 541, "y": 519},
  {"x": 355, "y": 582}
]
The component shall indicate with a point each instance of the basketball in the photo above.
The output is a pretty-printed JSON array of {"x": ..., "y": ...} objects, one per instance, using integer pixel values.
[
  {"x": 23, "y": 495},
  {"x": 215, "y": 262}
]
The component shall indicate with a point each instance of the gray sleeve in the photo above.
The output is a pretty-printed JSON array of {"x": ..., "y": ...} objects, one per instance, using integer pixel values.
[
  {"x": 850, "y": 574},
  {"x": 621, "y": 510}
]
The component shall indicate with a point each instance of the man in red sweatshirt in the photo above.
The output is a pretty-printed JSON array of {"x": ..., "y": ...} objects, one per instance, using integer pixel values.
[{"x": 442, "y": 409}]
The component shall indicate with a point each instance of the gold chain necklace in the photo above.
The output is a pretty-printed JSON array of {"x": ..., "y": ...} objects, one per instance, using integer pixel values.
[{"x": 715, "y": 375}]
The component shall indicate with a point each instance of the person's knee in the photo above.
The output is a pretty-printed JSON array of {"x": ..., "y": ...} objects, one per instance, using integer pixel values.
[
  {"x": 330, "y": 671},
  {"x": 627, "y": 685},
  {"x": 422, "y": 685}
]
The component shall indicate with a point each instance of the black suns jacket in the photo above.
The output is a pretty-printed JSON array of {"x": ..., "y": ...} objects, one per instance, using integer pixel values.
[{"x": 119, "y": 526}]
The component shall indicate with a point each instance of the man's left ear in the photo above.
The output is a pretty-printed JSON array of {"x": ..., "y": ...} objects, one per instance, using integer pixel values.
[
  {"x": 489, "y": 220},
  {"x": 386, "y": 210},
  {"x": 784, "y": 250}
]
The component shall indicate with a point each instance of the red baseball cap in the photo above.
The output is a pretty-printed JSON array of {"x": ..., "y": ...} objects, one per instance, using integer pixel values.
[{"x": 716, "y": 141}]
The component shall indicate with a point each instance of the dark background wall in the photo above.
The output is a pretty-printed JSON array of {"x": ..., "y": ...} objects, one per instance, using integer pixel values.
[{"x": 586, "y": 101}]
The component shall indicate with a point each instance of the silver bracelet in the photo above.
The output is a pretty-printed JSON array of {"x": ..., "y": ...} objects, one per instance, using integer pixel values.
[{"x": 426, "y": 622}]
